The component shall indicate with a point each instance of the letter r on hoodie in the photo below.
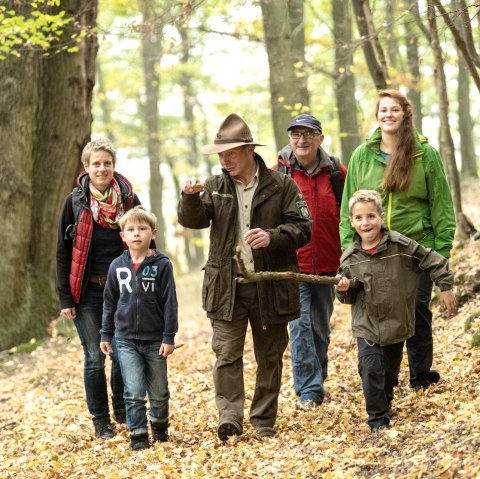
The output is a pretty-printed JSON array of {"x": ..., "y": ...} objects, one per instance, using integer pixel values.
[{"x": 124, "y": 277}]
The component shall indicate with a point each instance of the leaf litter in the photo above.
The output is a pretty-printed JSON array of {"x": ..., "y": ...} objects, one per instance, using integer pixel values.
[{"x": 46, "y": 431}]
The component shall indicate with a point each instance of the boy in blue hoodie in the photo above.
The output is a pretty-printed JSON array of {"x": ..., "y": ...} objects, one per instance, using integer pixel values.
[{"x": 141, "y": 311}]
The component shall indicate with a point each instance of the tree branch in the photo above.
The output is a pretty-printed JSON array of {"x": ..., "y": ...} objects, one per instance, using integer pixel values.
[
  {"x": 376, "y": 70},
  {"x": 468, "y": 32},
  {"x": 460, "y": 43},
  {"x": 238, "y": 36},
  {"x": 248, "y": 277},
  {"x": 416, "y": 15}
]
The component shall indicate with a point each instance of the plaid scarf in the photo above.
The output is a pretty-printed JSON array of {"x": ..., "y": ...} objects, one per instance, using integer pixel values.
[{"x": 107, "y": 208}]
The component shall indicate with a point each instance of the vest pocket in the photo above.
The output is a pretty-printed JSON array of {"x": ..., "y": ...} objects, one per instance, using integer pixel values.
[
  {"x": 286, "y": 297},
  {"x": 210, "y": 289}
]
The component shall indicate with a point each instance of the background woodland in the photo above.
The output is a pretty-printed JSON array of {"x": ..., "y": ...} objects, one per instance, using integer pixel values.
[{"x": 158, "y": 77}]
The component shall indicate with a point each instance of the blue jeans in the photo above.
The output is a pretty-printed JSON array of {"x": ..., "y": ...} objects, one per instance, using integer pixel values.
[
  {"x": 88, "y": 323},
  {"x": 309, "y": 340},
  {"x": 144, "y": 372}
]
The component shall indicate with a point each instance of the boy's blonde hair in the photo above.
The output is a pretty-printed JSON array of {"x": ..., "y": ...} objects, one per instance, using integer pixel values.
[
  {"x": 365, "y": 196},
  {"x": 140, "y": 215},
  {"x": 102, "y": 144}
]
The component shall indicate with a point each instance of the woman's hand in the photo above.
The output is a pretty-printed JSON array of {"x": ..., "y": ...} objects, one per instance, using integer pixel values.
[
  {"x": 69, "y": 313},
  {"x": 106, "y": 348}
]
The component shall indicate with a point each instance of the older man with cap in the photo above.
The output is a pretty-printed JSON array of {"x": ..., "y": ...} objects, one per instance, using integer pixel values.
[
  {"x": 264, "y": 213},
  {"x": 320, "y": 178}
]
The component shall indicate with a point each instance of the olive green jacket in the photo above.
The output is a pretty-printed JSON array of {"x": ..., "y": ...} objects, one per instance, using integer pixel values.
[
  {"x": 383, "y": 305},
  {"x": 424, "y": 212},
  {"x": 278, "y": 207}
]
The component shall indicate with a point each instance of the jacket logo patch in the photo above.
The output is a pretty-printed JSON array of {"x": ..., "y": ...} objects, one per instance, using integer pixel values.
[
  {"x": 303, "y": 209},
  {"x": 222, "y": 195}
]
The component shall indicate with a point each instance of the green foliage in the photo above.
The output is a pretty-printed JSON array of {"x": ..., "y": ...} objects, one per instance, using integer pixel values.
[
  {"x": 470, "y": 319},
  {"x": 476, "y": 339},
  {"x": 39, "y": 27},
  {"x": 26, "y": 348}
]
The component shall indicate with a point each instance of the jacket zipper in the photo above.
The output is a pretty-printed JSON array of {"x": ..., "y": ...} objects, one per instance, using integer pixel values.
[
  {"x": 389, "y": 210},
  {"x": 137, "y": 305}
]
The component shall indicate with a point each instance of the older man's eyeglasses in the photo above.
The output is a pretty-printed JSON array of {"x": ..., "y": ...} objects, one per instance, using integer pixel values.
[{"x": 306, "y": 134}]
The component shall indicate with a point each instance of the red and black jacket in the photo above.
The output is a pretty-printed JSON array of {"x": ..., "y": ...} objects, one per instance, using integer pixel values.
[
  {"x": 74, "y": 237},
  {"x": 321, "y": 191}
]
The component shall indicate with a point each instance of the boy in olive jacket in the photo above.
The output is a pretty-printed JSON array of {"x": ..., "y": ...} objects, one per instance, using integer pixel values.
[{"x": 386, "y": 265}]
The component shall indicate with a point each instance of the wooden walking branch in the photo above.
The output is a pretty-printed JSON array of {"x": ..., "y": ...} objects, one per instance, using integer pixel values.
[{"x": 247, "y": 277}]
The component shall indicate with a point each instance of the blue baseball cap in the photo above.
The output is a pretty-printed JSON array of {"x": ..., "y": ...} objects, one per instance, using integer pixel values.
[{"x": 308, "y": 121}]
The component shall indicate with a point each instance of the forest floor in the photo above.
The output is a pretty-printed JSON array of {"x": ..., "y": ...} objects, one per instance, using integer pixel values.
[{"x": 46, "y": 432}]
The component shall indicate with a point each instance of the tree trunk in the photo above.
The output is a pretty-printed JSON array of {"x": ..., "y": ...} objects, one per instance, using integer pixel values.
[
  {"x": 45, "y": 120},
  {"x": 369, "y": 39},
  {"x": 286, "y": 70},
  {"x": 344, "y": 79},
  {"x": 194, "y": 246},
  {"x": 392, "y": 49},
  {"x": 413, "y": 61},
  {"x": 104, "y": 104},
  {"x": 465, "y": 123},
  {"x": 297, "y": 28},
  {"x": 151, "y": 55},
  {"x": 446, "y": 140}
]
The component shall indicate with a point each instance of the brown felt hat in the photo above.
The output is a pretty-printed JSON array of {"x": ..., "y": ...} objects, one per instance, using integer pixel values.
[{"x": 233, "y": 132}]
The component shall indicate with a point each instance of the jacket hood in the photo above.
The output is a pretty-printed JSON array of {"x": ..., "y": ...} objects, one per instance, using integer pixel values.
[
  {"x": 376, "y": 137},
  {"x": 149, "y": 259}
]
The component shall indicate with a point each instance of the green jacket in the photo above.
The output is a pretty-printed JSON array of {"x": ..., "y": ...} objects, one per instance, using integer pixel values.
[
  {"x": 424, "y": 212},
  {"x": 383, "y": 306},
  {"x": 278, "y": 207}
]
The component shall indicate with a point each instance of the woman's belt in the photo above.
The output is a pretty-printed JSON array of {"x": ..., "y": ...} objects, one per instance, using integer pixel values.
[{"x": 97, "y": 279}]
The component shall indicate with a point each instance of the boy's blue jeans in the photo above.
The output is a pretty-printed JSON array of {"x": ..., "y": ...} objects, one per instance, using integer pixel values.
[
  {"x": 144, "y": 372},
  {"x": 309, "y": 340},
  {"x": 88, "y": 323}
]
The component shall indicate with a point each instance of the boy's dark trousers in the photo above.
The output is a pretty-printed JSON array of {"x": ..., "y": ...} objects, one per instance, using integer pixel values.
[{"x": 378, "y": 367}]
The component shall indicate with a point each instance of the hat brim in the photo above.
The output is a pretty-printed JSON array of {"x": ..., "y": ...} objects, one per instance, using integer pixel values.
[
  {"x": 219, "y": 147},
  {"x": 306, "y": 126}
]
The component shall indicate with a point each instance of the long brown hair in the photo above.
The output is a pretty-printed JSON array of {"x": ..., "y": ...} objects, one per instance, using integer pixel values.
[{"x": 400, "y": 165}]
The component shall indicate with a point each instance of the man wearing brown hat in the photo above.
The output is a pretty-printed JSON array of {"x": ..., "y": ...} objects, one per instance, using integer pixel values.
[
  {"x": 264, "y": 213},
  {"x": 321, "y": 178}
]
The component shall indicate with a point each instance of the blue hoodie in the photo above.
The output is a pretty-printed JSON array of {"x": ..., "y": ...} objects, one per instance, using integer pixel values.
[{"x": 142, "y": 304}]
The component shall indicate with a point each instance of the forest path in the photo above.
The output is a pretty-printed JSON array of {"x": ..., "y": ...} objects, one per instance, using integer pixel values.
[{"x": 46, "y": 432}]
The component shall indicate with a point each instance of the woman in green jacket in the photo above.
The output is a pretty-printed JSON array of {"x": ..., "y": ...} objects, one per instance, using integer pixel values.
[{"x": 399, "y": 163}]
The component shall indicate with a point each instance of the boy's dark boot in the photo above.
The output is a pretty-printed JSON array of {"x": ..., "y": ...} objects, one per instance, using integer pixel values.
[
  {"x": 139, "y": 441},
  {"x": 159, "y": 431},
  {"x": 423, "y": 380},
  {"x": 120, "y": 416},
  {"x": 103, "y": 428}
]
